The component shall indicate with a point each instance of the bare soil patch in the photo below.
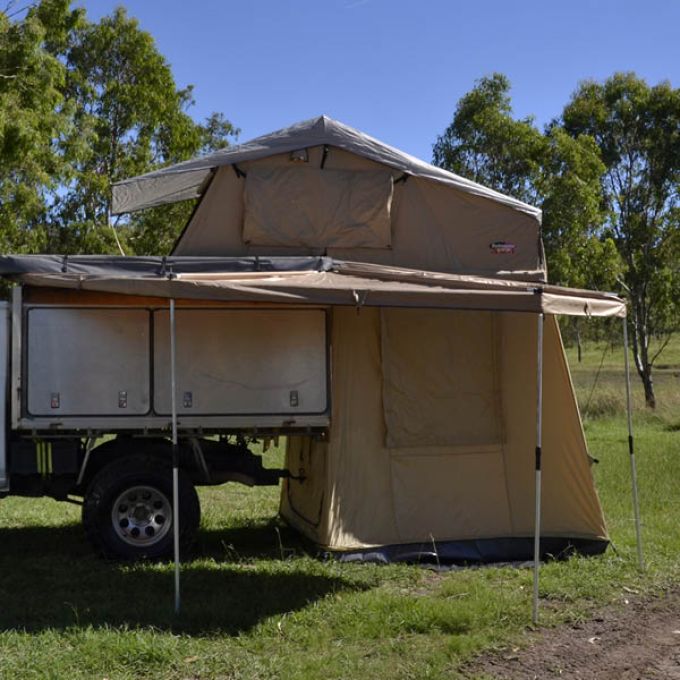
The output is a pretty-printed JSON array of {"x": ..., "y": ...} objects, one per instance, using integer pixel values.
[{"x": 635, "y": 641}]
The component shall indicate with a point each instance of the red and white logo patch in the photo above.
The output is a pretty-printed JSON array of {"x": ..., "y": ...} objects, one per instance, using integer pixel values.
[{"x": 502, "y": 248}]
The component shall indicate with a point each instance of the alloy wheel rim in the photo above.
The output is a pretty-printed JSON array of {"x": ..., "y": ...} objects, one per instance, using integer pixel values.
[{"x": 141, "y": 516}]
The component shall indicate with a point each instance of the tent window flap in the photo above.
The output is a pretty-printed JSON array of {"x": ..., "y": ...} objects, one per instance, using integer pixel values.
[{"x": 317, "y": 208}]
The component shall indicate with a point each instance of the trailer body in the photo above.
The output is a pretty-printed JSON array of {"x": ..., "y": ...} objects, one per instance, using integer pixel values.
[{"x": 86, "y": 383}]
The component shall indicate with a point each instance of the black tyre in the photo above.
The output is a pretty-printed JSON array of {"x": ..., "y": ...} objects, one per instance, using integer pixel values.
[{"x": 127, "y": 512}]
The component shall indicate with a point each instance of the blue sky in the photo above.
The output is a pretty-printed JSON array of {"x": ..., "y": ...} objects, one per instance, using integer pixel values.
[{"x": 396, "y": 69}]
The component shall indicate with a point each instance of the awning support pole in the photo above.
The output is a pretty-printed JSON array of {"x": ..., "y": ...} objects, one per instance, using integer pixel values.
[
  {"x": 631, "y": 449},
  {"x": 175, "y": 451},
  {"x": 539, "y": 440}
]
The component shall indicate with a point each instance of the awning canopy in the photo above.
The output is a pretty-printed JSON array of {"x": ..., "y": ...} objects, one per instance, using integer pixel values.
[
  {"x": 189, "y": 179},
  {"x": 302, "y": 280}
]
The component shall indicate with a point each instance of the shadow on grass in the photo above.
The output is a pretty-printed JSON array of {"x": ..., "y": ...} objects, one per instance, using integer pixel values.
[
  {"x": 252, "y": 540},
  {"x": 49, "y": 578}
]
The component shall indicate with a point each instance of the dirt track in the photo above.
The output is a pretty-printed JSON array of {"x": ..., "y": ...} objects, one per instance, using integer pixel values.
[{"x": 640, "y": 640}]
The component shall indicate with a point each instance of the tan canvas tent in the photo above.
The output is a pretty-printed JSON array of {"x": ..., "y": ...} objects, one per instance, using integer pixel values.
[{"x": 435, "y": 285}]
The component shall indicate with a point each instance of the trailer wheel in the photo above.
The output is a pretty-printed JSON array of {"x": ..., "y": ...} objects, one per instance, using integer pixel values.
[{"x": 127, "y": 511}]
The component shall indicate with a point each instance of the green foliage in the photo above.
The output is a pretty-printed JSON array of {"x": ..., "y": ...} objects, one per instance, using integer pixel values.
[
  {"x": 33, "y": 117},
  {"x": 579, "y": 254},
  {"x": 637, "y": 130},
  {"x": 559, "y": 173},
  {"x": 485, "y": 144},
  {"x": 154, "y": 231},
  {"x": 83, "y": 105}
]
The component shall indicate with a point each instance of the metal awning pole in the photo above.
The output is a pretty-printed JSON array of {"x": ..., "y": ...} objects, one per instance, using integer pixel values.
[
  {"x": 539, "y": 440},
  {"x": 631, "y": 449},
  {"x": 175, "y": 451}
]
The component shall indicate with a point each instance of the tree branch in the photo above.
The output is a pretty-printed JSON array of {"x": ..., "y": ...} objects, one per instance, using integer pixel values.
[
  {"x": 10, "y": 14},
  {"x": 661, "y": 349}
]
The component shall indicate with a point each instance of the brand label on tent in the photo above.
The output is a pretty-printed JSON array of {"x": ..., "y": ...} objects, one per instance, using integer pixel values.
[{"x": 502, "y": 247}]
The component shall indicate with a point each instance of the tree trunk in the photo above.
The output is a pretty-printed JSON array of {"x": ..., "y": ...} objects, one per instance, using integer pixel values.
[
  {"x": 648, "y": 383},
  {"x": 641, "y": 351}
]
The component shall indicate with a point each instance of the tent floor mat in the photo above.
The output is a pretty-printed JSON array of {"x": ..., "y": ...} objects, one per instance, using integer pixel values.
[{"x": 471, "y": 552}]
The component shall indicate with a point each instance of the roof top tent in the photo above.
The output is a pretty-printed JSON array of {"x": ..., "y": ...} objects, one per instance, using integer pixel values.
[
  {"x": 323, "y": 188},
  {"x": 432, "y": 435}
]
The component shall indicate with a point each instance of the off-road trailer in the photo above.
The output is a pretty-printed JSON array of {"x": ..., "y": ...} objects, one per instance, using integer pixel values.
[{"x": 86, "y": 387}]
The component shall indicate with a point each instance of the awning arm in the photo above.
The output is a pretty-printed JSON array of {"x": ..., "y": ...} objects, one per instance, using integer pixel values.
[
  {"x": 175, "y": 452},
  {"x": 539, "y": 442},
  {"x": 631, "y": 451}
]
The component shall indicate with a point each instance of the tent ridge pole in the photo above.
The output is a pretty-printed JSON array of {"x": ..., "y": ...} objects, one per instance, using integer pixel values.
[
  {"x": 631, "y": 450},
  {"x": 539, "y": 445}
]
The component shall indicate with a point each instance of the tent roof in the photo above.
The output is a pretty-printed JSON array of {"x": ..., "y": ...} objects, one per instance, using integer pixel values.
[
  {"x": 189, "y": 179},
  {"x": 302, "y": 280}
]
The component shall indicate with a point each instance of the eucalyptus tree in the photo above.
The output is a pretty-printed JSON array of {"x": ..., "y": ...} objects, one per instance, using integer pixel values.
[
  {"x": 82, "y": 105},
  {"x": 637, "y": 130},
  {"x": 34, "y": 117},
  {"x": 129, "y": 117}
]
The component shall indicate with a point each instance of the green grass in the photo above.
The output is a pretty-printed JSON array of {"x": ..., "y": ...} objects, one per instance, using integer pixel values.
[{"x": 258, "y": 604}]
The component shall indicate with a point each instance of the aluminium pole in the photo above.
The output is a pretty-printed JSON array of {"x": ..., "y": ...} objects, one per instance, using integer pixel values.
[
  {"x": 539, "y": 441},
  {"x": 175, "y": 450},
  {"x": 631, "y": 449}
]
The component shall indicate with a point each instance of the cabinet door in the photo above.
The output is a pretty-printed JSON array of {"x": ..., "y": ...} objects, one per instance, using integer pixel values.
[
  {"x": 87, "y": 362},
  {"x": 242, "y": 362}
]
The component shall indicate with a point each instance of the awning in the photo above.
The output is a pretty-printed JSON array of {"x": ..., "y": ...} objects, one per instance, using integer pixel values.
[{"x": 303, "y": 280}]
